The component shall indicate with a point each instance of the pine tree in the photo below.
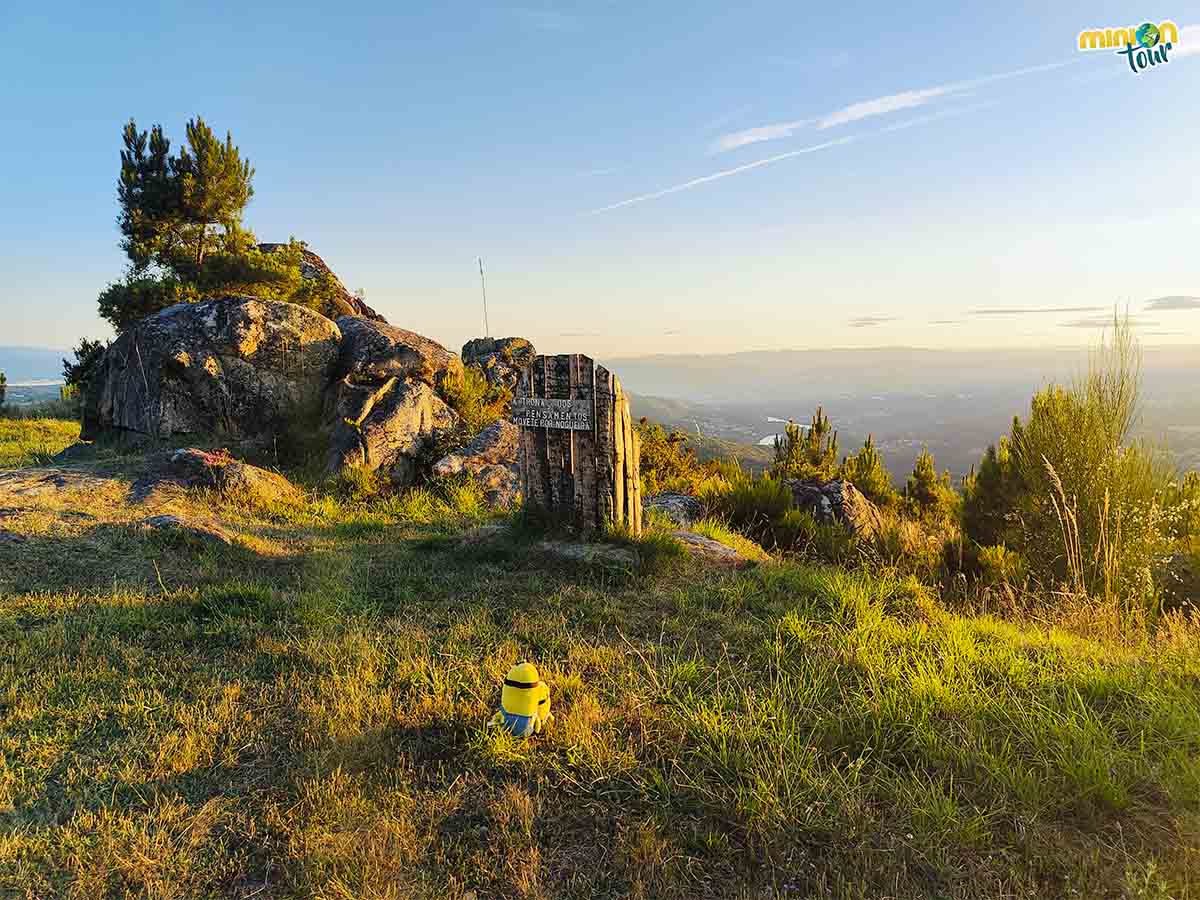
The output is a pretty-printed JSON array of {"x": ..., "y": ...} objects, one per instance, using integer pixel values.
[
  {"x": 3, "y": 387},
  {"x": 181, "y": 229},
  {"x": 168, "y": 203},
  {"x": 990, "y": 495},
  {"x": 215, "y": 185},
  {"x": 866, "y": 471},
  {"x": 928, "y": 492},
  {"x": 810, "y": 454}
]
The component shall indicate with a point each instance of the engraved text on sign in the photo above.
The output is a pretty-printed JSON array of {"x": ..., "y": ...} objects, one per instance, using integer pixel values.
[{"x": 539, "y": 412}]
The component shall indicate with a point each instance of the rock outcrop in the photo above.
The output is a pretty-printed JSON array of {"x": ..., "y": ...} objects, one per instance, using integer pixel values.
[
  {"x": 491, "y": 460},
  {"x": 237, "y": 367},
  {"x": 838, "y": 501},
  {"x": 232, "y": 478},
  {"x": 242, "y": 370},
  {"x": 500, "y": 359},
  {"x": 384, "y": 412},
  {"x": 681, "y": 509},
  {"x": 706, "y": 548},
  {"x": 344, "y": 303},
  {"x": 372, "y": 352}
]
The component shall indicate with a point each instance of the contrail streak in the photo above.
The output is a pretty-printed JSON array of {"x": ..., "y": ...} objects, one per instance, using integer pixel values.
[{"x": 725, "y": 173}]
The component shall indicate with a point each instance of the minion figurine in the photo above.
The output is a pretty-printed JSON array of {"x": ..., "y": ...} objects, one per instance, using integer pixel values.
[{"x": 524, "y": 702}]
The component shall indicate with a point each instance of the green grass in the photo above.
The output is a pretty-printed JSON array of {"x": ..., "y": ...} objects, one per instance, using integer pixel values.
[
  {"x": 723, "y": 534},
  {"x": 302, "y": 715},
  {"x": 24, "y": 441}
]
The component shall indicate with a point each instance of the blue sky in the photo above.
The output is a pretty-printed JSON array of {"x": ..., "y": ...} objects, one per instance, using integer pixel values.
[{"x": 638, "y": 178}]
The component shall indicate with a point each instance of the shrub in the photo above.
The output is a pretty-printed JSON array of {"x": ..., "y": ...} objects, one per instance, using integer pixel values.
[
  {"x": 477, "y": 402},
  {"x": 669, "y": 463},
  {"x": 909, "y": 546},
  {"x": 3, "y": 387},
  {"x": 763, "y": 510},
  {"x": 78, "y": 372},
  {"x": 866, "y": 471},
  {"x": 752, "y": 506},
  {"x": 999, "y": 565},
  {"x": 810, "y": 454},
  {"x": 1181, "y": 502},
  {"x": 1069, "y": 491}
]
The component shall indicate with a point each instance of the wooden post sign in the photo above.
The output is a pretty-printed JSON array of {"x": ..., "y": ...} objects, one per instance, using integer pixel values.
[{"x": 579, "y": 454}]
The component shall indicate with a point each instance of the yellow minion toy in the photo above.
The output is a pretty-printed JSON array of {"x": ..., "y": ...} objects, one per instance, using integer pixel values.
[{"x": 524, "y": 702}]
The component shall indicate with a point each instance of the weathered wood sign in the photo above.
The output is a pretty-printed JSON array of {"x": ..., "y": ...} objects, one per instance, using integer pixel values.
[
  {"x": 579, "y": 453},
  {"x": 541, "y": 412}
]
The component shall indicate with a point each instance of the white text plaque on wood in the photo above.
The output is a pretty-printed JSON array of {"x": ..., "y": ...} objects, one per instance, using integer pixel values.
[{"x": 539, "y": 412}]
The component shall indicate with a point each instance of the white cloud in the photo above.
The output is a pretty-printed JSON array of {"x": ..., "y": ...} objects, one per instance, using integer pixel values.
[
  {"x": 725, "y": 173},
  {"x": 881, "y": 105},
  {"x": 756, "y": 135},
  {"x": 876, "y": 107}
]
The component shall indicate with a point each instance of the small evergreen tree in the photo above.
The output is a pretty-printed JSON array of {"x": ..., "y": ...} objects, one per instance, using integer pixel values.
[
  {"x": 990, "y": 495},
  {"x": 810, "y": 454},
  {"x": 3, "y": 387},
  {"x": 866, "y": 471},
  {"x": 929, "y": 493}
]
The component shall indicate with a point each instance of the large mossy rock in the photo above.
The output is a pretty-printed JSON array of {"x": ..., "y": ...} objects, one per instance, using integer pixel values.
[
  {"x": 384, "y": 412},
  {"x": 241, "y": 370},
  {"x": 236, "y": 367}
]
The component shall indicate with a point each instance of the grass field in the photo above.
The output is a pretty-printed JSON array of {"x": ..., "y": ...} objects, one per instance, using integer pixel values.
[
  {"x": 302, "y": 715},
  {"x": 23, "y": 441}
]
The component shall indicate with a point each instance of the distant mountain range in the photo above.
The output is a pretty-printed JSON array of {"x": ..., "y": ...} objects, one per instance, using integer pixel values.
[
  {"x": 954, "y": 402},
  {"x": 31, "y": 364}
]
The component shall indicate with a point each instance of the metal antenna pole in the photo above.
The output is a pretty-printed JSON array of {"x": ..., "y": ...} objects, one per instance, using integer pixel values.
[{"x": 487, "y": 330}]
